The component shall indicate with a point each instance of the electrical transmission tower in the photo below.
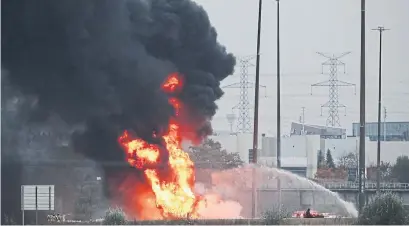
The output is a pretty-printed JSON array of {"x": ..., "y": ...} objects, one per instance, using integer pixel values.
[
  {"x": 244, "y": 124},
  {"x": 333, "y": 104}
]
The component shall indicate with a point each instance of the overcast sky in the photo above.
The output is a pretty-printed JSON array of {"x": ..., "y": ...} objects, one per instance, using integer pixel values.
[{"x": 308, "y": 26}]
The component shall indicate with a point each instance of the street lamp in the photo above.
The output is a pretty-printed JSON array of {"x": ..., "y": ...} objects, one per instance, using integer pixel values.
[{"x": 378, "y": 155}]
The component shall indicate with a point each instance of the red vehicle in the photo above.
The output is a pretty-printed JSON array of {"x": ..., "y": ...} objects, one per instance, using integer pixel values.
[{"x": 301, "y": 214}]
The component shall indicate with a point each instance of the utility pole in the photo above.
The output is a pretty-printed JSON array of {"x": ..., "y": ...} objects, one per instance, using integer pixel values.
[
  {"x": 255, "y": 126},
  {"x": 361, "y": 179},
  {"x": 278, "y": 89},
  {"x": 384, "y": 123},
  {"x": 278, "y": 104},
  {"x": 378, "y": 154}
]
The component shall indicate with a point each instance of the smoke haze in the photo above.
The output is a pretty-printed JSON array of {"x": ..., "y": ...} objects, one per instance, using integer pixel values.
[{"x": 95, "y": 67}]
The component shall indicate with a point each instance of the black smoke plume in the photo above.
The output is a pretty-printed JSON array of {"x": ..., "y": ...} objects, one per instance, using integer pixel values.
[{"x": 101, "y": 63}]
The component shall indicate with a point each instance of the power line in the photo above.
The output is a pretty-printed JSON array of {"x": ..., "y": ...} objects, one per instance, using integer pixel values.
[
  {"x": 333, "y": 83},
  {"x": 282, "y": 75}
]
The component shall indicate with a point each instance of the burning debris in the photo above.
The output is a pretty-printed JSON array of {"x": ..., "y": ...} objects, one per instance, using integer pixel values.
[{"x": 102, "y": 64}]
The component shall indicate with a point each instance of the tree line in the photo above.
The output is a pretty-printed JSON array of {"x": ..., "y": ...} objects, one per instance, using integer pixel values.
[{"x": 328, "y": 168}]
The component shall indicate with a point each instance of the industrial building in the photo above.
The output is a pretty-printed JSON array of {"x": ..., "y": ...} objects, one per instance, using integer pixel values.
[
  {"x": 299, "y": 153},
  {"x": 325, "y": 132},
  {"x": 390, "y": 131}
]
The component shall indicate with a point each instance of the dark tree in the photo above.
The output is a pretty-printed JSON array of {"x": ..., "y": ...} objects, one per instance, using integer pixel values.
[
  {"x": 348, "y": 160},
  {"x": 400, "y": 169},
  {"x": 385, "y": 172},
  {"x": 211, "y": 155},
  {"x": 321, "y": 159},
  {"x": 330, "y": 160}
]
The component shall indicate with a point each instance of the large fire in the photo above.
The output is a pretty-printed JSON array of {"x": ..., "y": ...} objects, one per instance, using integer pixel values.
[{"x": 173, "y": 190}]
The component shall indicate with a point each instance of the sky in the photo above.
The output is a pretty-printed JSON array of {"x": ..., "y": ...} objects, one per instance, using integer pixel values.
[{"x": 308, "y": 27}]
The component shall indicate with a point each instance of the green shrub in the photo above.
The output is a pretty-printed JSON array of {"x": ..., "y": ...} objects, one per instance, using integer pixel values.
[
  {"x": 274, "y": 216},
  {"x": 115, "y": 216},
  {"x": 384, "y": 209}
]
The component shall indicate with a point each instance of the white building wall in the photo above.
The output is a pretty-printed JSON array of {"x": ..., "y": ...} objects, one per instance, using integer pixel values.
[
  {"x": 240, "y": 143},
  {"x": 340, "y": 147},
  {"x": 268, "y": 147},
  {"x": 312, "y": 155},
  {"x": 390, "y": 150},
  {"x": 296, "y": 151},
  {"x": 244, "y": 143},
  {"x": 302, "y": 151}
]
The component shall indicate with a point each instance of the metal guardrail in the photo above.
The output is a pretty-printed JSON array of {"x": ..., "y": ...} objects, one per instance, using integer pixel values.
[
  {"x": 346, "y": 186},
  {"x": 368, "y": 186}
]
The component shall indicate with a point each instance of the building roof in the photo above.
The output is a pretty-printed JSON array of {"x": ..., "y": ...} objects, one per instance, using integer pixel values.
[
  {"x": 357, "y": 123},
  {"x": 316, "y": 126}
]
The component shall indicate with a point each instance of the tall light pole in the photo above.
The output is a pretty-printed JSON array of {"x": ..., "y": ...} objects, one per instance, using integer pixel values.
[
  {"x": 378, "y": 154},
  {"x": 255, "y": 124},
  {"x": 278, "y": 104},
  {"x": 362, "y": 134},
  {"x": 278, "y": 90}
]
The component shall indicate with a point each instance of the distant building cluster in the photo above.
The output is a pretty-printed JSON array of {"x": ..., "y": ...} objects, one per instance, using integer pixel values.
[
  {"x": 299, "y": 152},
  {"x": 390, "y": 131},
  {"x": 324, "y": 131}
]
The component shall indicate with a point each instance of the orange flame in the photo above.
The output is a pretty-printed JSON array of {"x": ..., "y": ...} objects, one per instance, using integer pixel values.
[
  {"x": 138, "y": 151},
  {"x": 174, "y": 192},
  {"x": 173, "y": 83}
]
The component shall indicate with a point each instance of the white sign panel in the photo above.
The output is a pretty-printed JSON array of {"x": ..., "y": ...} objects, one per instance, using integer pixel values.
[{"x": 37, "y": 197}]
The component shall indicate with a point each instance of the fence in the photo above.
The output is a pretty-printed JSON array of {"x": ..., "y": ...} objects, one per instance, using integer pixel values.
[{"x": 368, "y": 186}]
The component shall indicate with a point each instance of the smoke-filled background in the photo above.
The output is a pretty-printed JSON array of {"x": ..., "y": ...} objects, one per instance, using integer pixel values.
[{"x": 76, "y": 73}]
